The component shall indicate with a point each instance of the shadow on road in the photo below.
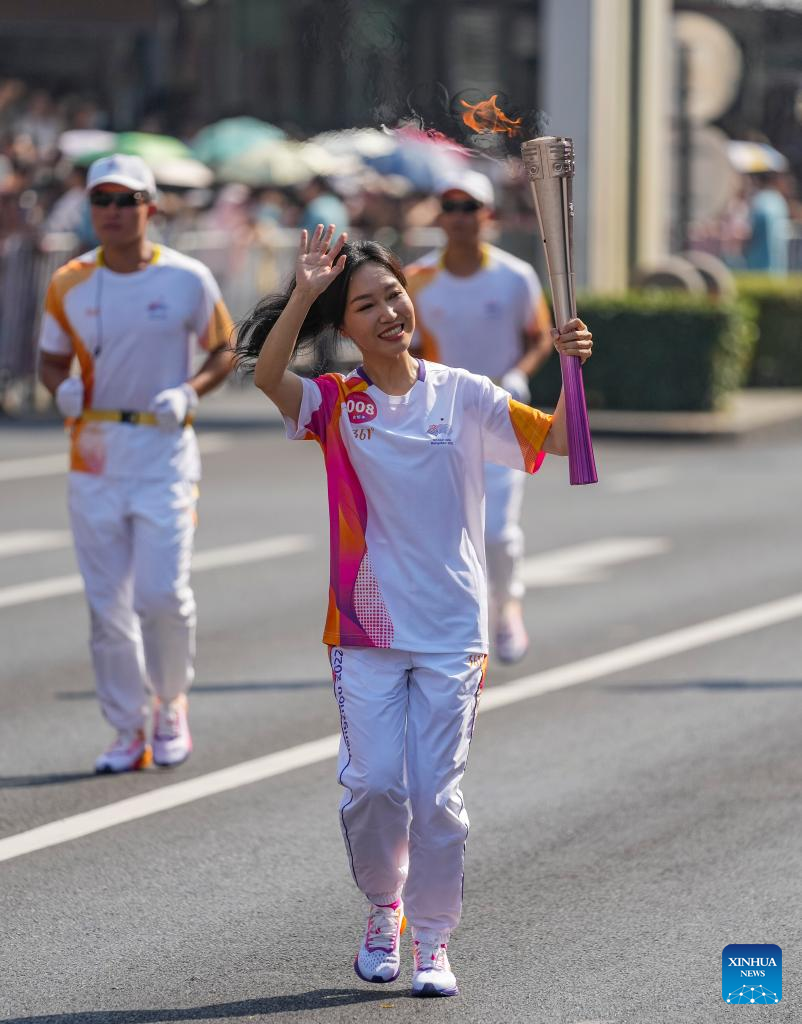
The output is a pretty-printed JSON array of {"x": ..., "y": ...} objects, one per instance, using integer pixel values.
[
  {"x": 52, "y": 779},
  {"x": 712, "y": 685},
  {"x": 201, "y": 688},
  {"x": 319, "y": 999}
]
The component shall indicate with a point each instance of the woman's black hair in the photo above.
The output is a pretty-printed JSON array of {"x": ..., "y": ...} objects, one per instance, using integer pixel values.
[{"x": 320, "y": 331}]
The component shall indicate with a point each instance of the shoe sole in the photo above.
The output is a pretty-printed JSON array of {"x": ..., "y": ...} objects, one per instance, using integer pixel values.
[
  {"x": 145, "y": 761},
  {"x": 430, "y": 991},
  {"x": 375, "y": 980},
  {"x": 173, "y": 764}
]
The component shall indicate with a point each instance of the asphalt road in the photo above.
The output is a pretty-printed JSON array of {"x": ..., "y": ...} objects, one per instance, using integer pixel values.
[{"x": 631, "y": 816}]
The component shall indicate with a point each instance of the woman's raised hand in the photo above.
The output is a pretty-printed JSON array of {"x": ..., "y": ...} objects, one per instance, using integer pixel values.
[
  {"x": 574, "y": 339},
  {"x": 319, "y": 262}
]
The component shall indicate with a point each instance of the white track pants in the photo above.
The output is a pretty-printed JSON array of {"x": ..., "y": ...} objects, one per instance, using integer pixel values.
[
  {"x": 504, "y": 539},
  {"x": 406, "y": 721},
  {"x": 133, "y": 540}
]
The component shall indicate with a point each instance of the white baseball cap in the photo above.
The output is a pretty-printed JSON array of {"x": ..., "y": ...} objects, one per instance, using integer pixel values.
[
  {"x": 121, "y": 169},
  {"x": 477, "y": 186}
]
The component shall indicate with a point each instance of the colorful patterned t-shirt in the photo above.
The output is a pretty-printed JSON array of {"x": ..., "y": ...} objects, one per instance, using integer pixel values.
[{"x": 406, "y": 502}]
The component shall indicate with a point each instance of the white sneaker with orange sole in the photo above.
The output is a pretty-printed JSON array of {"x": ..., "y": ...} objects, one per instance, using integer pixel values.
[
  {"x": 379, "y": 957},
  {"x": 128, "y": 753}
]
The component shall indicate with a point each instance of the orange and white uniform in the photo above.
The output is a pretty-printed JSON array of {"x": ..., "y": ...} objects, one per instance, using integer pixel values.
[
  {"x": 407, "y": 617},
  {"x": 132, "y": 486},
  {"x": 478, "y": 323}
]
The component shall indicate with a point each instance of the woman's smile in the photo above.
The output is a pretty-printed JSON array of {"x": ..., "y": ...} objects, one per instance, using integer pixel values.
[{"x": 394, "y": 332}]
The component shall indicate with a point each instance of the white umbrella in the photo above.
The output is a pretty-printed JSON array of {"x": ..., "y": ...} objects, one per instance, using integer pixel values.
[
  {"x": 364, "y": 142},
  {"x": 755, "y": 157},
  {"x": 183, "y": 172},
  {"x": 79, "y": 142}
]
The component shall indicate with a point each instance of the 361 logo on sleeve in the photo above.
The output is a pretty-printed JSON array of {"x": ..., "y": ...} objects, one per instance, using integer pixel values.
[{"x": 752, "y": 973}]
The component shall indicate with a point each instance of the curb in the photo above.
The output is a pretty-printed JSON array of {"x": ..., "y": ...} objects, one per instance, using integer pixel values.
[{"x": 749, "y": 412}]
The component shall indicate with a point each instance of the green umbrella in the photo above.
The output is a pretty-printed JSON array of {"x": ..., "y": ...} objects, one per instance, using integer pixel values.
[
  {"x": 154, "y": 149},
  {"x": 228, "y": 139}
]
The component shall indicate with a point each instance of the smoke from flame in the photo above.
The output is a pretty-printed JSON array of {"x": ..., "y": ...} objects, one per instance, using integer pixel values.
[{"x": 487, "y": 116}]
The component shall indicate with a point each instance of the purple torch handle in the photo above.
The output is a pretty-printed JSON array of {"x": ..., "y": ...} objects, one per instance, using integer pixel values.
[
  {"x": 581, "y": 464},
  {"x": 549, "y": 163}
]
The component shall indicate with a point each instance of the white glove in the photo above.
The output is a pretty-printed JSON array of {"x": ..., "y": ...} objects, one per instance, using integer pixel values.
[
  {"x": 172, "y": 406},
  {"x": 69, "y": 396},
  {"x": 517, "y": 383}
]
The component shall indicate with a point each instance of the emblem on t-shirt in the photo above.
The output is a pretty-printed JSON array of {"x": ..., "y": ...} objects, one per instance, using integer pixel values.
[
  {"x": 440, "y": 433},
  {"x": 361, "y": 409},
  {"x": 493, "y": 309},
  {"x": 157, "y": 310}
]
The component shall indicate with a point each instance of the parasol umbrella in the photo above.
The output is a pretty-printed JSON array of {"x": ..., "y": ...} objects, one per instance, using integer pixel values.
[
  {"x": 422, "y": 159},
  {"x": 78, "y": 143},
  {"x": 183, "y": 172},
  {"x": 154, "y": 149},
  {"x": 755, "y": 157},
  {"x": 277, "y": 162},
  {"x": 172, "y": 162},
  {"x": 228, "y": 139},
  {"x": 359, "y": 142}
]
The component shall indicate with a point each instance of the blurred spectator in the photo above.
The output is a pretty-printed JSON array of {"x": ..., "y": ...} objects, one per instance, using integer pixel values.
[
  {"x": 12, "y": 93},
  {"x": 270, "y": 207},
  {"x": 41, "y": 124},
  {"x": 734, "y": 227},
  {"x": 70, "y": 212},
  {"x": 769, "y": 223},
  {"x": 322, "y": 206}
]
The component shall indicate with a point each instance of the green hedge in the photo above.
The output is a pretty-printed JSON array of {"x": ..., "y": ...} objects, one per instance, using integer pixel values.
[
  {"x": 658, "y": 351},
  {"x": 778, "y": 353}
]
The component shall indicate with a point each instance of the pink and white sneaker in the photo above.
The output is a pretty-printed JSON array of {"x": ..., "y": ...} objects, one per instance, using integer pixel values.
[
  {"x": 172, "y": 742},
  {"x": 432, "y": 974},
  {"x": 379, "y": 957},
  {"x": 512, "y": 642},
  {"x": 128, "y": 753}
]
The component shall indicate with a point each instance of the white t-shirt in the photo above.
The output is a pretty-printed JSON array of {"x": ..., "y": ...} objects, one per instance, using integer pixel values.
[
  {"x": 134, "y": 335},
  {"x": 406, "y": 502},
  {"x": 476, "y": 322}
]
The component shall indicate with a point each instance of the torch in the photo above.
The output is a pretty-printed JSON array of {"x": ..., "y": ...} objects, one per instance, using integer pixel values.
[{"x": 549, "y": 164}]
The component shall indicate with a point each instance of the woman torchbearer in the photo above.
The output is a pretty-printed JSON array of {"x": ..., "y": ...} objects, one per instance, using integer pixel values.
[{"x": 404, "y": 442}]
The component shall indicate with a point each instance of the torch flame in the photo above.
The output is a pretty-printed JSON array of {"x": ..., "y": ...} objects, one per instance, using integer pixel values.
[{"x": 486, "y": 116}]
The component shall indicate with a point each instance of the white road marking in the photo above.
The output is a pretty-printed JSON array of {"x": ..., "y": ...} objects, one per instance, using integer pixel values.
[
  {"x": 643, "y": 479},
  {"x": 34, "y": 465},
  {"x": 585, "y": 563},
  {"x": 25, "y": 542},
  {"x": 254, "y": 551},
  {"x": 214, "y": 558},
  {"x": 211, "y": 444},
  {"x": 260, "y": 768},
  {"x": 53, "y": 465}
]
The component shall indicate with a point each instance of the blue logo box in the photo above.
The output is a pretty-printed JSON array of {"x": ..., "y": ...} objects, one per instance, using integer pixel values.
[{"x": 752, "y": 973}]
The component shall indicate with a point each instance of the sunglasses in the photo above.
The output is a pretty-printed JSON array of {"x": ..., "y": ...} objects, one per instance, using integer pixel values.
[
  {"x": 463, "y": 205},
  {"x": 122, "y": 200}
]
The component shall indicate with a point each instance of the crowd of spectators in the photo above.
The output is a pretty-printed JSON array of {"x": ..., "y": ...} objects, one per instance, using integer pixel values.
[
  {"x": 41, "y": 190},
  {"x": 246, "y": 234}
]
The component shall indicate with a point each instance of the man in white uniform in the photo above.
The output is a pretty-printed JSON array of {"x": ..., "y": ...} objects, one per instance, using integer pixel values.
[
  {"x": 133, "y": 314},
  {"x": 479, "y": 308}
]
